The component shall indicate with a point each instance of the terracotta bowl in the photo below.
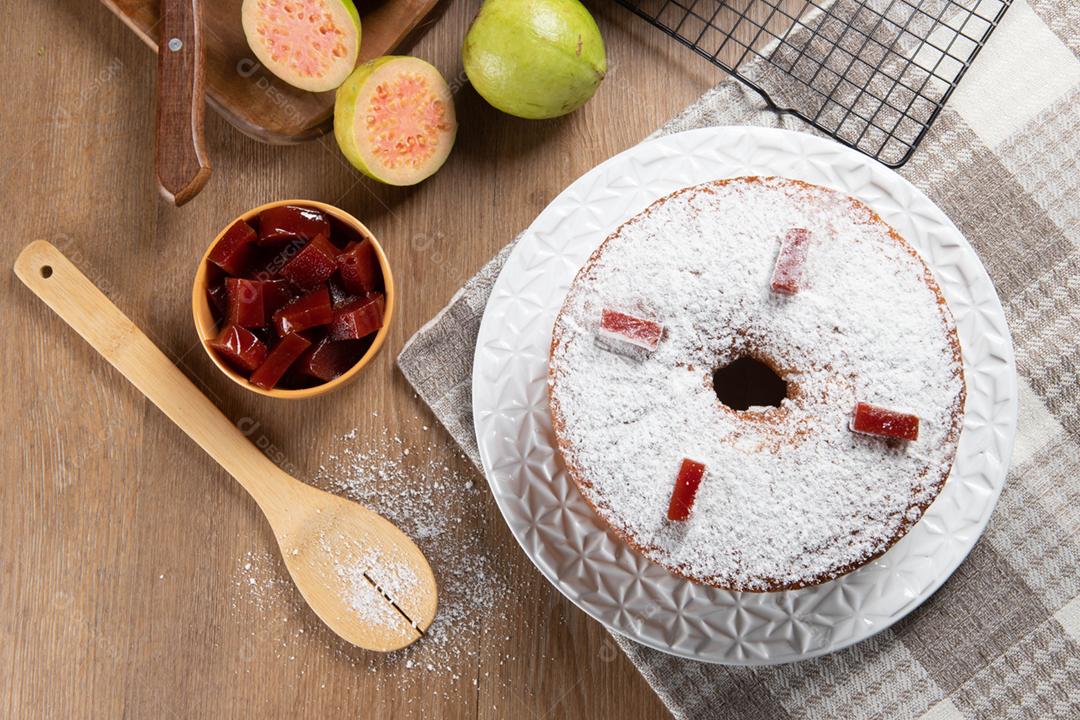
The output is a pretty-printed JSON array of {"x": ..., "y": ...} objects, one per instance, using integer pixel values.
[{"x": 207, "y": 328}]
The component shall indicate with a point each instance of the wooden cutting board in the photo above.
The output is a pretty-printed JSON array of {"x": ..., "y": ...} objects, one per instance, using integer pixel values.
[{"x": 250, "y": 97}]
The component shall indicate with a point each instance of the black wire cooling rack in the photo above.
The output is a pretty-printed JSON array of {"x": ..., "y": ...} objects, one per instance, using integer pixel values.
[{"x": 873, "y": 74}]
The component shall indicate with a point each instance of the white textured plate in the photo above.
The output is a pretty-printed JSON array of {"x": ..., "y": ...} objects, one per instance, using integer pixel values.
[{"x": 596, "y": 570}]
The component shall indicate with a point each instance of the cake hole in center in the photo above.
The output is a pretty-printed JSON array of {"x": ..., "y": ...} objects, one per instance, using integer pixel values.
[{"x": 747, "y": 382}]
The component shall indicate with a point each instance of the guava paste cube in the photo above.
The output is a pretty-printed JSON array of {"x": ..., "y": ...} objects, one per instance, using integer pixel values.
[
  {"x": 217, "y": 297},
  {"x": 279, "y": 360},
  {"x": 873, "y": 420},
  {"x": 686, "y": 487},
  {"x": 277, "y": 294},
  {"x": 359, "y": 318},
  {"x": 269, "y": 260},
  {"x": 266, "y": 334},
  {"x": 308, "y": 311},
  {"x": 239, "y": 347},
  {"x": 327, "y": 359},
  {"x": 215, "y": 292},
  {"x": 627, "y": 328},
  {"x": 314, "y": 264},
  {"x": 359, "y": 268},
  {"x": 235, "y": 250},
  {"x": 339, "y": 295},
  {"x": 246, "y": 302},
  {"x": 285, "y": 222},
  {"x": 787, "y": 273}
]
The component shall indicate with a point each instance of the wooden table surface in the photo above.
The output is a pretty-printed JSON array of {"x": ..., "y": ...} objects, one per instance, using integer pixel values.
[{"x": 121, "y": 544}]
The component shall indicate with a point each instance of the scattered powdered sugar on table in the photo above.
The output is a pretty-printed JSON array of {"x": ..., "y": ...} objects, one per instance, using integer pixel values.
[
  {"x": 440, "y": 509},
  {"x": 428, "y": 501}
]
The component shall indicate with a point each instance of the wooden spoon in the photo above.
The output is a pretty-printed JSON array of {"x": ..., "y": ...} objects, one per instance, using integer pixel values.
[
  {"x": 182, "y": 164},
  {"x": 356, "y": 570}
]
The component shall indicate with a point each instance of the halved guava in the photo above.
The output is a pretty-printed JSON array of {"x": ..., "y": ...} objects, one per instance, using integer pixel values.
[
  {"x": 310, "y": 44},
  {"x": 394, "y": 119}
]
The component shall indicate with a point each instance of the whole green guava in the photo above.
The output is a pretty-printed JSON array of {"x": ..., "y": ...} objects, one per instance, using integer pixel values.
[{"x": 534, "y": 58}]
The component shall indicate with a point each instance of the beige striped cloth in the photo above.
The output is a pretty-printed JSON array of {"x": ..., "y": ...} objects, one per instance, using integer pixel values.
[{"x": 1001, "y": 638}]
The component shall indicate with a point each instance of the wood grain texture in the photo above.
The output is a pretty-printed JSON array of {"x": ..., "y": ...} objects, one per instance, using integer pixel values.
[
  {"x": 252, "y": 98},
  {"x": 180, "y": 146},
  {"x": 120, "y": 541}
]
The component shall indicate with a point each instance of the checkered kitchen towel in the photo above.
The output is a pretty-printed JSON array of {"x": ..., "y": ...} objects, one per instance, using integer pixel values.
[{"x": 1002, "y": 636}]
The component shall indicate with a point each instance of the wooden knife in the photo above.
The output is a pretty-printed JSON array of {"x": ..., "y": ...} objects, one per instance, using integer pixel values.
[{"x": 182, "y": 163}]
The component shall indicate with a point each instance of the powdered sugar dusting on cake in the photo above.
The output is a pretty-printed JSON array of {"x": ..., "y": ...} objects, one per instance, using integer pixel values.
[{"x": 792, "y": 496}]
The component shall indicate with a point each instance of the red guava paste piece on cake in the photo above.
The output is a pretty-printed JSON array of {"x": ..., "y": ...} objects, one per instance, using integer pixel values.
[
  {"x": 359, "y": 268},
  {"x": 634, "y": 330},
  {"x": 327, "y": 359},
  {"x": 309, "y": 311},
  {"x": 279, "y": 360},
  {"x": 359, "y": 318},
  {"x": 234, "y": 251},
  {"x": 239, "y": 347},
  {"x": 285, "y": 222},
  {"x": 873, "y": 420},
  {"x": 789, "y": 263},
  {"x": 313, "y": 265},
  {"x": 686, "y": 487}
]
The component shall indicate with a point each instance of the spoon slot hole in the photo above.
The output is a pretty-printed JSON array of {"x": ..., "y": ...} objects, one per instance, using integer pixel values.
[
  {"x": 46, "y": 271},
  {"x": 393, "y": 603}
]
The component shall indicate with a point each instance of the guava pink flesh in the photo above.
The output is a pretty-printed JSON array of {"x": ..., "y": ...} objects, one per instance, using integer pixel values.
[
  {"x": 403, "y": 121},
  {"x": 302, "y": 34}
]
